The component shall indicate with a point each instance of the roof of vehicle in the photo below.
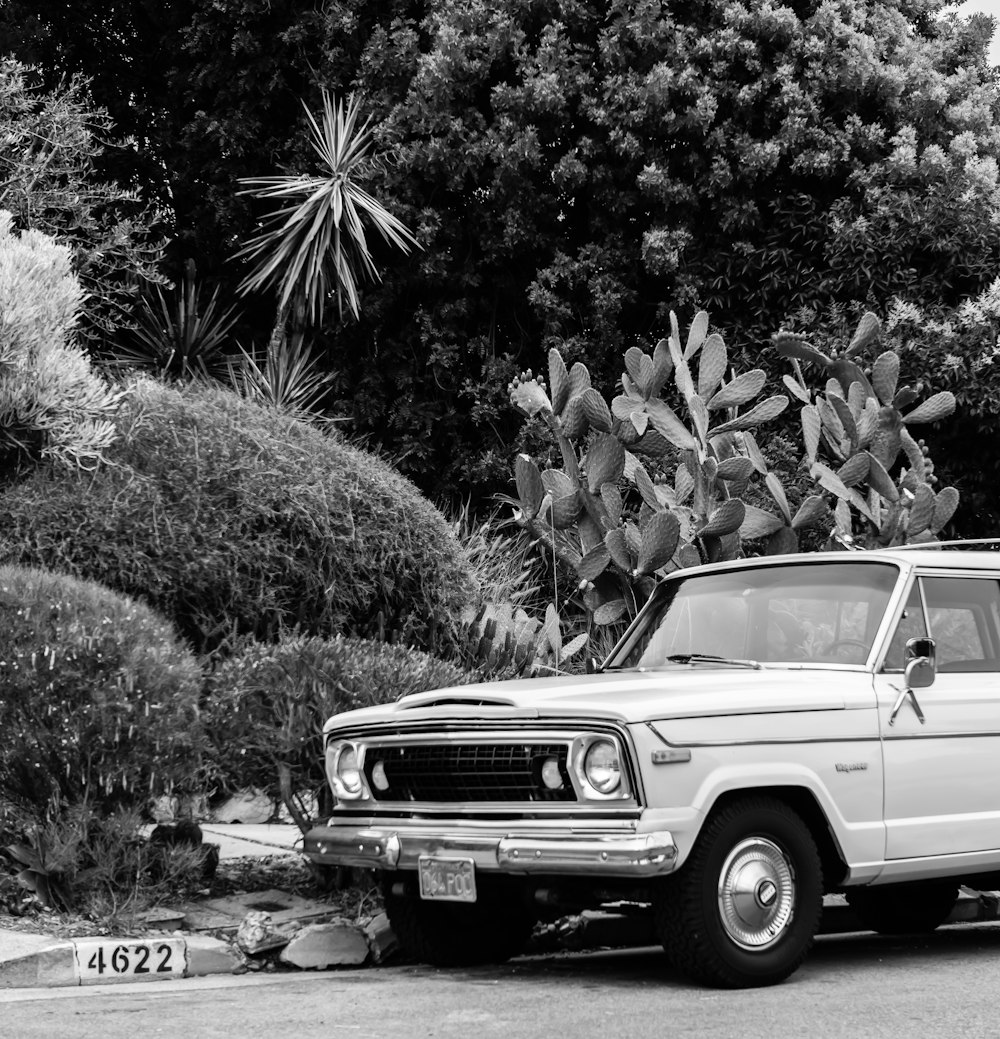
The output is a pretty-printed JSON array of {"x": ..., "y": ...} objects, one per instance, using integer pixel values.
[
  {"x": 949, "y": 558},
  {"x": 967, "y": 559}
]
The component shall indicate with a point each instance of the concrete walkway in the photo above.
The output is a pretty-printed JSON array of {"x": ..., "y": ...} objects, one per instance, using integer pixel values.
[{"x": 242, "y": 841}]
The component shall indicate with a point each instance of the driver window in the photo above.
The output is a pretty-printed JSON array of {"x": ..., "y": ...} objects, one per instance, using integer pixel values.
[{"x": 961, "y": 614}]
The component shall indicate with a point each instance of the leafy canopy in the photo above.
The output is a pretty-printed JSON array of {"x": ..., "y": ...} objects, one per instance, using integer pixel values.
[{"x": 572, "y": 170}]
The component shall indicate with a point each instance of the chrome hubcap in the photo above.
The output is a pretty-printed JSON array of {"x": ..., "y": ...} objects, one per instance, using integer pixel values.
[{"x": 756, "y": 893}]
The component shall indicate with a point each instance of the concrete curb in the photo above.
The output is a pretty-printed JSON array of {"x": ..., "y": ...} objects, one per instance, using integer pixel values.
[
  {"x": 33, "y": 961},
  {"x": 37, "y": 961}
]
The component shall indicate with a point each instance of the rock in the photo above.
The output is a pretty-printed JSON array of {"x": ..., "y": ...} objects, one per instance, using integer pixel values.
[
  {"x": 336, "y": 944},
  {"x": 258, "y": 933},
  {"x": 382, "y": 941},
  {"x": 250, "y": 806}
]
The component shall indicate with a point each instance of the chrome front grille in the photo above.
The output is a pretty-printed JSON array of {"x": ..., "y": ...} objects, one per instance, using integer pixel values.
[{"x": 467, "y": 772}]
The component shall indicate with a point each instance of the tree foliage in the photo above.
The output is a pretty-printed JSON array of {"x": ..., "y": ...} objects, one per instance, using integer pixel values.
[
  {"x": 569, "y": 167},
  {"x": 50, "y": 181}
]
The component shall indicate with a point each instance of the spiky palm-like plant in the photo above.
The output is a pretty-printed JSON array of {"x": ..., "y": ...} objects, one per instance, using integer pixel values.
[
  {"x": 181, "y": 335},
  {"x": 316, "y": 241}
]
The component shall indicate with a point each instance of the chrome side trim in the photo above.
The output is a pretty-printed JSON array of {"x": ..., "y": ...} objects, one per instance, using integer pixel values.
[
  {"x": 893, "y": 737},
  {"x": 775, "y": 742},
  {"x": 597, "y": 854}
]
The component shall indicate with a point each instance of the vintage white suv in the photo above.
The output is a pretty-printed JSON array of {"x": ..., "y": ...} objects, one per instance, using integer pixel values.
[{"x": 766, "y": 731}]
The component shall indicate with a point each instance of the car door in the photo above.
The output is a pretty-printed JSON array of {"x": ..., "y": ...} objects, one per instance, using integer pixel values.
[{"x": 942, "y": 773}]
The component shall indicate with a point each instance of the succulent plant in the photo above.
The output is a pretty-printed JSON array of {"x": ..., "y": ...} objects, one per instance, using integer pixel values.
[
  {"x": 645, "y": 489},
  {"x": 608, "y": 512},
  {"x": 855, "y": 434},
  {"x": 505, "y": 641}
]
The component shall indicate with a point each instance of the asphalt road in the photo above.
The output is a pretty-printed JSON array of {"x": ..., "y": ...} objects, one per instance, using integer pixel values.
[{"x": 943, "y": 985}]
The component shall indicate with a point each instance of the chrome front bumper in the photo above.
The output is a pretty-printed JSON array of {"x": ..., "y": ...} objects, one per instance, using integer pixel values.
[{"x": 592, "y": 854}]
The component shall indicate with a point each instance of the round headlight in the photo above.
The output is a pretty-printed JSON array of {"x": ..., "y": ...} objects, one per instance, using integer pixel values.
[
  {"x": 552, "y": 774},
  {"x": 602, "y": 767},
  {"x": 379, "y": 778},
  {"x": 347, "y": 770}
]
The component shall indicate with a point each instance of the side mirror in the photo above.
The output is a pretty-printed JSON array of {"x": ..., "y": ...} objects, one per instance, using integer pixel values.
[
  {"x": 921, "y": 669},
  {"x": 593, "y": 665}
]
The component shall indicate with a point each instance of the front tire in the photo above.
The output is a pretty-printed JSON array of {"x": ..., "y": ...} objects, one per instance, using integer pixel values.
[
  {"x": 744, "y": 909},
  {"x": 457, "y": 934}
]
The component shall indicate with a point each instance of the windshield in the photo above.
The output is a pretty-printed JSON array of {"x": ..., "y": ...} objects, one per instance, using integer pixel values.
[{"x": 811, "y": 612}]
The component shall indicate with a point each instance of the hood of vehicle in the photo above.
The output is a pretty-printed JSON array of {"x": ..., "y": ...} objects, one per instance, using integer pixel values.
[{"x": 681, "y": 692}]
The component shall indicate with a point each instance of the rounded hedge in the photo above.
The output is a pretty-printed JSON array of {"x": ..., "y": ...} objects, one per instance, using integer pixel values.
[
  {"x": 98, "y": 697},
  {"x": 231, "y": 518},
  {"x": 267, "y": 704}
]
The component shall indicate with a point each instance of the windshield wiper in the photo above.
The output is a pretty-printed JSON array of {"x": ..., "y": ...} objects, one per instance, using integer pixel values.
[{"x": 711, "y": 658}]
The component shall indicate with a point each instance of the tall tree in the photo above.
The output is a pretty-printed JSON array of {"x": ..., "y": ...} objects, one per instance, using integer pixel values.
[
  {"x": 52, "y": 143},
  {"x": 575, "y": 168}
]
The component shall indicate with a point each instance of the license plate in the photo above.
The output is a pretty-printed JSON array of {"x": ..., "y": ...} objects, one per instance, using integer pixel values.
[
  {"x": 104, "y": 961},
  {"x": 447, "y": 880}
]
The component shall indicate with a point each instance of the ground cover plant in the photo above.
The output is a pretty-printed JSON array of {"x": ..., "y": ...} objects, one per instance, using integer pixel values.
[{"x": 233, "y": 518}]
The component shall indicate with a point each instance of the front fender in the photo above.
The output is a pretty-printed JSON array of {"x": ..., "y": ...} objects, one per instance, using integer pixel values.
[{"x": 843, "y": 777}]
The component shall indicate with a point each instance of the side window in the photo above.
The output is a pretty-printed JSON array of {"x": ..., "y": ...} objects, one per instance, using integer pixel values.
[
  {"x": 962, "y": 612},
  {"x": 910, "y": 626}
]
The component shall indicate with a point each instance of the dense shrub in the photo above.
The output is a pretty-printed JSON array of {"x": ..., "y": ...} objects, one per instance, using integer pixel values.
[
  {"x": 98, "y": 699},
  {"x": 51, "y": 401},
  {"x": 267, "y": 704},
  {"x": 231, "y": 518}
]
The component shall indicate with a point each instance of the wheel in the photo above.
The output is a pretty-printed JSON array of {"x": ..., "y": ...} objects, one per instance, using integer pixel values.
[
  {"x": 915, "y": 908},
  {"x": 458, "y": 934},
  {"x": 743, "y": 910}
]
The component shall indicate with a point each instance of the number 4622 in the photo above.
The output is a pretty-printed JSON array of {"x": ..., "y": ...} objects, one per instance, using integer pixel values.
[{"x": 134, "y": 959}]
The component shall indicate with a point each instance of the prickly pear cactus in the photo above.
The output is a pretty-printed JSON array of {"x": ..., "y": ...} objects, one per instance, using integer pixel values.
[
  {"x": 644, "y": 490},
  {"x": 859, "y": 448}
]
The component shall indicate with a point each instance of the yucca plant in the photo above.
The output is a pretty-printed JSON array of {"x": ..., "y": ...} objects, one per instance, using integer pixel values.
[
  {"x": 179, "y": 335},
  {"x": 316, "y": 241},
  {"x": 287, "y": 378}
]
